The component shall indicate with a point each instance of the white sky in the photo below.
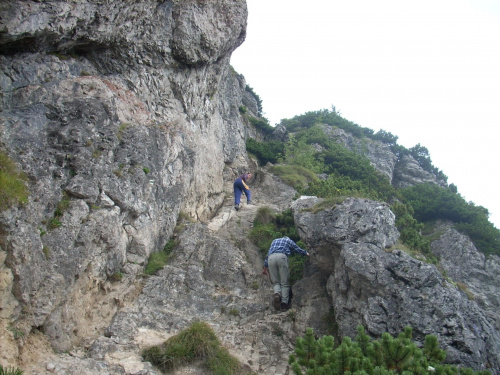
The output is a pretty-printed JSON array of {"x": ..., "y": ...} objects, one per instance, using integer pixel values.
[{"x": 428, "y": 71}]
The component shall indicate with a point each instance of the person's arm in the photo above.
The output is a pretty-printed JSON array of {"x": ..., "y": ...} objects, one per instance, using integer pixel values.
[
  {"x": 265, "y": 269},
  {"x": 297, "y": 248}
]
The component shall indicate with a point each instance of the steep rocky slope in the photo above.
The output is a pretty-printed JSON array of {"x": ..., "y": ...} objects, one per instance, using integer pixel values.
[
  {"x": 356, "y": 275},
  {"x": 125, "y": 116}
]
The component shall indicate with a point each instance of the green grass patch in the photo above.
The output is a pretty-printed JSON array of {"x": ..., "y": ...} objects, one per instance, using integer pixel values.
[
  {"x": 53, "y": 223},
  {"x": 464, "y": 289},
  {"x": 159, "y": 259},
  {"x": 63, "y": 205},
  {"x": 198, "y": 342},
  {"x": 46, "y": 252},
  {"x": 325, "y": 204},
  {"x": 264, "y": 216},
  {"x": 122, "y": 129},
  {"x": 13, "y": 188},
  {"x": 296, "y": 176},
  {"x": 10, "y": 371}
]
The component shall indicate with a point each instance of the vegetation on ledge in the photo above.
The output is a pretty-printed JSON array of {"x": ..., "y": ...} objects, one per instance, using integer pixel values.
[
  {"x": 310, "y": 154},
  {"x": 13, "y": 188},
  {"x": 198, "y": 342}
]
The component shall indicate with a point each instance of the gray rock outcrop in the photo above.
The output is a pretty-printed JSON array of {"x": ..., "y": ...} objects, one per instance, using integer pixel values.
[
  {"x": 373, "y": 283},
  {"x": 474, "y": 273}
]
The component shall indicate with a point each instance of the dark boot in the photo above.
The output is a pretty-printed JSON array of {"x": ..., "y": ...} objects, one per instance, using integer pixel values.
[
  {"x": 285, "y": 306},
  {"x": 277, "y": 301}
]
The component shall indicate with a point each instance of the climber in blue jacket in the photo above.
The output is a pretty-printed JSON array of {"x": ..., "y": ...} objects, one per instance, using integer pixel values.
[{"x": 240, "y": 187}]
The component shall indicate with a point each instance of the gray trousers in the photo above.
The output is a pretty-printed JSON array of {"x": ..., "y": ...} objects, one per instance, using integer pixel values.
[{"x": 279, "y": 272}]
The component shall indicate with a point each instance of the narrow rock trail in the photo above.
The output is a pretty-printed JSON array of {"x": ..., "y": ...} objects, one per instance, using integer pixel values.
[{"x": 266, "y": 328}]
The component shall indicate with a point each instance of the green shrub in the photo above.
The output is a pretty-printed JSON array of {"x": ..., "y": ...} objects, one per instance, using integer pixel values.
[
  {"x": 363, "y": 355},
  {"x": 267, "y": 228},
  {"x": 197, "y": 342},
  {"x": 261, "y": 124},
  {"x": 265, "y": 152},
  {"x": 325, "y": 116},
  {"x": 159, "y": 259},
  {"x": 298, "y": 152},
  {"x": 431, "y": 202},
  {"x": 263, "y": 235},
  {"x": 13, "y": 188},
  {"x": 296, "y": 264},
  {"x": 410, "y": 230},
  {"x": 63, "y": 205}
]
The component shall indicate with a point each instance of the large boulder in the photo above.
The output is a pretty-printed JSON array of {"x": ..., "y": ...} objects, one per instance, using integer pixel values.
[{"x": 372, "y": 282}]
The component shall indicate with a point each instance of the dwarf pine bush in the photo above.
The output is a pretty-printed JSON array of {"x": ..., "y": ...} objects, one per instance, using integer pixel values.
[{"x": 386, "y": 356}]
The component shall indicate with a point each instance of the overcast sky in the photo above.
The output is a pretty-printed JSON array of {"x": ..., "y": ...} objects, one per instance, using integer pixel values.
[{"x": 428, "y": 71}]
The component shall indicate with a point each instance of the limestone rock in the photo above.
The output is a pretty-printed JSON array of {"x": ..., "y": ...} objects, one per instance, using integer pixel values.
[
  {"x": 474, "y": 273},
  {"x": 122, "y": 115},
  {"x": 379, "y": 154},
  {"x": 382, "y": 288}
]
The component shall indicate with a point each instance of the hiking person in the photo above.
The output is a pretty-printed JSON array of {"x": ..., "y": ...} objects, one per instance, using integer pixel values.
[
  {"x": 276, "y": 266},
  {"x": 240, "y": 187}
]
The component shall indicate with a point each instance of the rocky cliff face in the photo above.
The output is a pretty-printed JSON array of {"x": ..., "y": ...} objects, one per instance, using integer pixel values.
[
  {"x": 125, "y": 117},
  {"x": 122, "y": 114}
]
